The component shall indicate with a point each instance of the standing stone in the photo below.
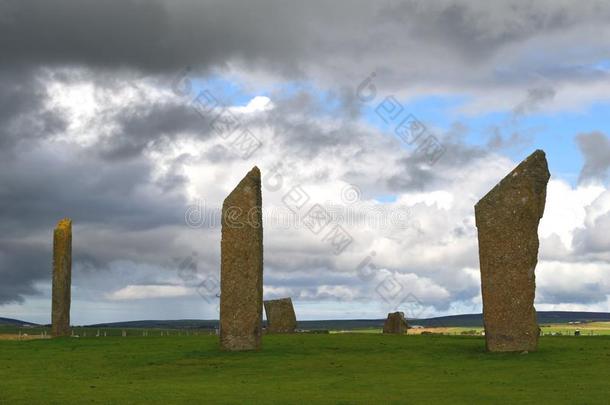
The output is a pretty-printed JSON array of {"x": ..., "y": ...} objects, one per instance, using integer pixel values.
[
  {"x": 507, "y": 220},
  {"x": 241, "y": 266},
  {"x": 395, "y": 323},
  {"x": 62, "y": 278},
  {"x": 280, "y": 316}
]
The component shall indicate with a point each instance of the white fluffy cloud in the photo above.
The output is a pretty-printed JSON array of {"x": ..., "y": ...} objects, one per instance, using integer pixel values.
[
  {"x": 566, "y": 210},
  {"x": 137, "y": 292}
]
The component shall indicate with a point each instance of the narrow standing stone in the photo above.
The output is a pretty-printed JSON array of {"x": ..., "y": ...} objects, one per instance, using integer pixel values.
[
  {"x": 280, "y": 316},
  {"x": 62, "y": 278},
  {"x": 395, "y": 323},
  {"x": 241, "y": 267},
  {"x": 507, "y": 220}
]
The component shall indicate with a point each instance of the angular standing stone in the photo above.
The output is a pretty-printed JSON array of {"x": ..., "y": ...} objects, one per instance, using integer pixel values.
[
  {"x": 62, "y": 278},
  {"x": 507, "y": 220},
  {"x": 280, "y": 316},
  {"x": 395, "y": 323},
  {"x": 241, "y": 266}
]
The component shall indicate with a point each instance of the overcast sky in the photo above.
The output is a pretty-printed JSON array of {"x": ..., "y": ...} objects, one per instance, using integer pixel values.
[{"x": 137, "y": 118}]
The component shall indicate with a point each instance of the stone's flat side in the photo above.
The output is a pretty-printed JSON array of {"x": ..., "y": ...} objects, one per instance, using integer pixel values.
[
  {"x": 280, "y": 316},
  {"x": 395, "y": 323},
  {"x": 62, "y": 278},
  {"x": 241, "y": 266},
  {"x": 507, "y": 221}
]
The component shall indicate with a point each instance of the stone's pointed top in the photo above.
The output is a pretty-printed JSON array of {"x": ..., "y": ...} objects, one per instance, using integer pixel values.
[
  {"x": 536, "y": 158},
  {"x": 535, "y": 166},
  {"x": 64, "y": 223},
  {"x": 255, "y": 172},
  {"x": 251, "y": 181},
  {"x": 253, "y": 175}
]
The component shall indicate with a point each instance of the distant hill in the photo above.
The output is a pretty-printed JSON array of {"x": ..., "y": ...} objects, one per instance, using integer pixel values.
[
  {"x": 467, "y": 320},
  {"x": 15, "y": 322},
  {"x": 544, "y": 317},
  {"x": 565, "y": 317},
  {"x": 167, "y": 324}
]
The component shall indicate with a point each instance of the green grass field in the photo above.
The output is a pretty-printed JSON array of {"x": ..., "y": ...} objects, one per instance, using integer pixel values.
[{"x": 303, "y": 368}]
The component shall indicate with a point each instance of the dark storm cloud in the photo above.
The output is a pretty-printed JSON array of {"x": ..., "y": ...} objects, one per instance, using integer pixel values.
[
  {"x": 141, "y": 127},
  {"x": 39, "y": 187},
  {"x": 22, "y": 263},
  {"x": 418, "y": 174},
  {"x": 23, "y": 114},
  {"x": 107, "y": 34},
  {"x": 41, "y": 183},
  {"x": 497, "y": 141},
  {"x": 595, "y": 147},
  {"x": 146, "y": 35},
  {"x": 478, "y": 28},
  {"x": 535, "y": 97},
  {"x": 414, "y": 177},
  {"x": 404, "y": 38}
]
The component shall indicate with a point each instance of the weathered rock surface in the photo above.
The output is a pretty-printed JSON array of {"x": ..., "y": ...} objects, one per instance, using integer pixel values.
[
  {"x": 280, "y": 316},
  {"x": 62, "y": 278},
  {"x": 395, "y": 323},
  {"x": 507, "y": 220},
  {"x": 241, "y": 267}
]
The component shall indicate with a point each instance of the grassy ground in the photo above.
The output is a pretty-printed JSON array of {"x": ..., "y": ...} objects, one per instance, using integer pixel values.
[{"x": 336, "y": 368}]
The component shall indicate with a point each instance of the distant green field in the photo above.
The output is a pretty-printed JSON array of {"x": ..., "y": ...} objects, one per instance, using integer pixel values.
[
  {"x": 586, "y": 329},
  {"x": 101, "y": 332},
  {"x": 303, "y": 368}
]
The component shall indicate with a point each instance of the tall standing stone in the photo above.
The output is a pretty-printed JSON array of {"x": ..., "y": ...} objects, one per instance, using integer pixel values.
[
  {"x": 62, "y": 278},
  {"x": 395, "y": 323},
  {"x": 507, "y": 220},
  {"x": 280, "y": 316},
  {"x": 241, "y": 267}
]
